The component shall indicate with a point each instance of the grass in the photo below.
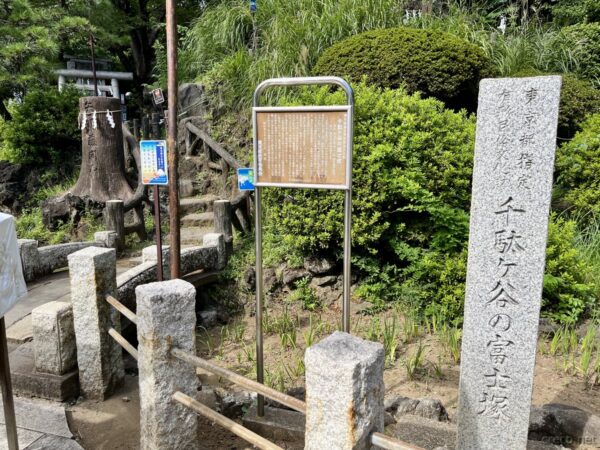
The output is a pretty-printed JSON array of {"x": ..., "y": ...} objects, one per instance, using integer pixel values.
[{"x": 305, "y": 295}]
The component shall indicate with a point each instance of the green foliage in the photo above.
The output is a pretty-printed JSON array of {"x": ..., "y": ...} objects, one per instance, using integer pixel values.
[
  {"x": 568, "y": 12},
  {"x": 578, "y": 167},
  {"x": 232, "y": 50},
  {"x": 585, "y": 39},
  {"x": 43, "y": 129},
  {"x": 567, "y": 292},
  {"x": 432, "y": 62},
  {"x": 305, "y": 295}
]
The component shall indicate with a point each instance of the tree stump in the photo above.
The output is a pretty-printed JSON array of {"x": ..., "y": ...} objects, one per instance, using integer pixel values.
[{"x": 102, "y": 175}]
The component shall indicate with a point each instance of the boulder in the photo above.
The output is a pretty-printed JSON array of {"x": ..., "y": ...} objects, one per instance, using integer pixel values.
[
  {"x": 191, "y": 100},
  {"x": 565, "y": 422},
  {"x": 428, "y": 408},
  {"x": 319, "y": 266},
  {"x": 12, "y": 186},
  {"x": 290, "y": 276}
]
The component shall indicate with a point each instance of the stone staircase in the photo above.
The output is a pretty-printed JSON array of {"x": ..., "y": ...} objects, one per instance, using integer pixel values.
[{"x": 196, "y": 211}]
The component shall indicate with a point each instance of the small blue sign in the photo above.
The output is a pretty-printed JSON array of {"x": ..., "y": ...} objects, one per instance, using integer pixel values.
[
  {"x": 154, "y": 163},
  {"x": 252, "y": 5},
  {"x": 245, "y": 179}
]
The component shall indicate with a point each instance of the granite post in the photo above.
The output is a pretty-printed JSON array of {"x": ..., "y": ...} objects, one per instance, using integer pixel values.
[
  {"x": 54, "y": 338},
  {"x": 100, "y": 359},
  {"x": 344, "y": 393},
  {"x": 30, "y": 258},
  {"x": 166, "y": 319},
  {"x": 217, "y": 240},
  {"x": 512, "y": 182}
]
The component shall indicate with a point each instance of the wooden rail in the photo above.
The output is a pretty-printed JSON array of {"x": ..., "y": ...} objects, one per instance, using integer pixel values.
[
  {"x": 388, "y": 443},
  {"x": 122, "y": 308},
  {"x": 241, "y": 431},
  {"x": 233, "y": 377},
  {"x": 123, "y": 343}
]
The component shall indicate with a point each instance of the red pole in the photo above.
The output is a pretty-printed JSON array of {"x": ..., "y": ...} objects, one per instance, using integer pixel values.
[{"x": 172, "y": 139}]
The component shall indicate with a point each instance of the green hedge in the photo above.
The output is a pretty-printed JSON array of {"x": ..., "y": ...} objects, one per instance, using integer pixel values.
[
  {"x": 435, "y": 63},
  {"x": 578, "y": 168}
]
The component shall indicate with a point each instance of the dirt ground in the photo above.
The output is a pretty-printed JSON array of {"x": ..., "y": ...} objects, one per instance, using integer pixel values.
[{"x": 114, "y": 424}]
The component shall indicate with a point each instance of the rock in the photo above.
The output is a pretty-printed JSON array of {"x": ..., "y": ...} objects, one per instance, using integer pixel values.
[
  {"x": 11, "y": 186},
  {"x": 564, "y": 421},
  {"x": 290, "y": 276},
  {"x": 250, "y": 278},
  {"x": 191, "y": 100},
  {"x": 547, "y": 327},
  {"x": 318, "y": 266},
  {"x": 327, "y": 280},
  {"x": 233, "y": 404},
  {"x": 208, "y": 318},
  {"x": 54, "y": 338},
  {"x": 271, "y": 282},
  {"x": 388, "y": 419},
  {"x": 296, "y": 392},
  {"x": 68, "y": 208},
  {"x": 428, "y": 408}
]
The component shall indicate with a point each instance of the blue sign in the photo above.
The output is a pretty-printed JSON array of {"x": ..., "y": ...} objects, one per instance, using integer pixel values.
[
  {"x": 154, "y": 163},
  {"x": 253, "y": 5},
  {"x": 245, "y": 179}
]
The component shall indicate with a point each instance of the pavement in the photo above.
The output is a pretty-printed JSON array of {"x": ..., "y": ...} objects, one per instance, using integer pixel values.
[{"x": 41, "y": 425}]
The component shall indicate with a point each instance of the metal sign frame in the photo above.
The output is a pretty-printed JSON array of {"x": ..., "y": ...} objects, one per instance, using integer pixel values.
[{"x": 347, "y": 188}]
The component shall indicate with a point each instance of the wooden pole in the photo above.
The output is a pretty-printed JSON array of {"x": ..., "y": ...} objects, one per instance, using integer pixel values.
[
  {"x": 7, "y": 394},
  {"x": 172, "y": 139}
]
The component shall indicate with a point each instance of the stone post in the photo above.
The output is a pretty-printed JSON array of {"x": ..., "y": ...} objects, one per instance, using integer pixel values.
[
  {"x": 54, "y": 338},
  {"x": 93, "y": 276},
  {"x": 166, "y": 319},
  {"x": 222, "y": 211},
  {"x": 344, "y": 392},
  {"x": 115, "y": 220},
  {"x": 217, "y": 240},
  {"x": 30, "y": 258}
]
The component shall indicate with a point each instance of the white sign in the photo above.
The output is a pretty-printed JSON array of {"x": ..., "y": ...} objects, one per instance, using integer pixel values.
[{"x": 12, "y": 283}]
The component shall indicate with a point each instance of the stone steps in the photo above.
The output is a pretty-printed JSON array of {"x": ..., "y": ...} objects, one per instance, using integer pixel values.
[
  {"x": 203, "y": 220},
  {"x": 191, "y": 205},
  {"x": 192, "y": 236}
]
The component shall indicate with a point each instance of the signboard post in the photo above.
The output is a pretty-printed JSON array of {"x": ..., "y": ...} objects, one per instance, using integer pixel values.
[
  {"x": 155, "y": 173},
  {"x": 306, "y": 147}
]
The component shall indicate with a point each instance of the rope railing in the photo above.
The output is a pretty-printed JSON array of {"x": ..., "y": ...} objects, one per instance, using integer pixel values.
[
  {"x": 237, "y": 429},
  {"x": 388, "y": 443},
  {"x": 284, "y": 399}
]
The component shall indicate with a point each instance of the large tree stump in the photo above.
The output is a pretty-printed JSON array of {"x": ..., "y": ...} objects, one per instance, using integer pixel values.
[{"x": 102, "y": 175}]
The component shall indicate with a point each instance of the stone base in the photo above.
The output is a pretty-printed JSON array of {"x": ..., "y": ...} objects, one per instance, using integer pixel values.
[
  {"x": 27, "y": 382},
  {"x": 433, "y": 435},
  {"x": 277, "y": 424}
]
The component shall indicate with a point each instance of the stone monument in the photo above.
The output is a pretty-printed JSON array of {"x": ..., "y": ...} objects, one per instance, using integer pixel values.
[{"x": 512, "y": 182}]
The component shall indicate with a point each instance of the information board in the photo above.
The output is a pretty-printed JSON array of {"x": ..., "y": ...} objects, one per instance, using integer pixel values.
[
  {"x": 154, "y": 163},
  {"x": 303, "y": 147}
]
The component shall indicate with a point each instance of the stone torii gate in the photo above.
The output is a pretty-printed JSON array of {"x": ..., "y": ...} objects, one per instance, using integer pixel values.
[{"x": 114, "y": 78}]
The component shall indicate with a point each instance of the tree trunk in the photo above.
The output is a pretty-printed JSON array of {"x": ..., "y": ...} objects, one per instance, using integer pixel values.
[{"x": 102, "y": 175}]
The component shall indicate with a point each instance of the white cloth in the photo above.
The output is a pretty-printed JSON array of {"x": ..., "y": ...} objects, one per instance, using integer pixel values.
[{"x": 12, "y": 283}]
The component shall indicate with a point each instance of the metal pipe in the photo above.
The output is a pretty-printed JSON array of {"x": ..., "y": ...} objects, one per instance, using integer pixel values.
[
  {"x": 7, "y": 393},
  {"x": 347, "y": 261},
  {"x": 228, "y": 424},
  {"x": 175, "y": 243},
  {"x": 284, "y": 399},
  {"x": 123, "y": 343},
  {"x": 159, "y": 253},
  {"x": 122, "y": 308},
  {"x": 260, "y": 371},
  {"x": 382, "y": 441}
]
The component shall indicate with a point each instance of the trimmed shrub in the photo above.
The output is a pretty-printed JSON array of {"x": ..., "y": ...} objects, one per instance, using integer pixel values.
[
  {"x": 578, "y": 100},
  {"x": 578, "y": 167},
  {"x": 584, "y": 38},
  {"x": 435, "y": 63},
  {"x": 43, "y": 129}
]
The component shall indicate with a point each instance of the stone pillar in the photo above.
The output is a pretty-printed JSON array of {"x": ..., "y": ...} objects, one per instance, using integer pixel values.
[
  {"x": 106, "y": 239},
  {"x": 54, "y": 338},
  {"x": 149, "y": 254},
  {"x": 217, "y": 240},
  {"x": 30, "y": 258},
  {"x": 93, "y": 276},
  {"x": 114, "y": 87},
  {"x": 115, "y": 220},
  {"x": 344, "y": 392},
  {"x": 166, "y": 319},
  {"x": 61, "y": 82},
  {"x": 222, "y": 211}
]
